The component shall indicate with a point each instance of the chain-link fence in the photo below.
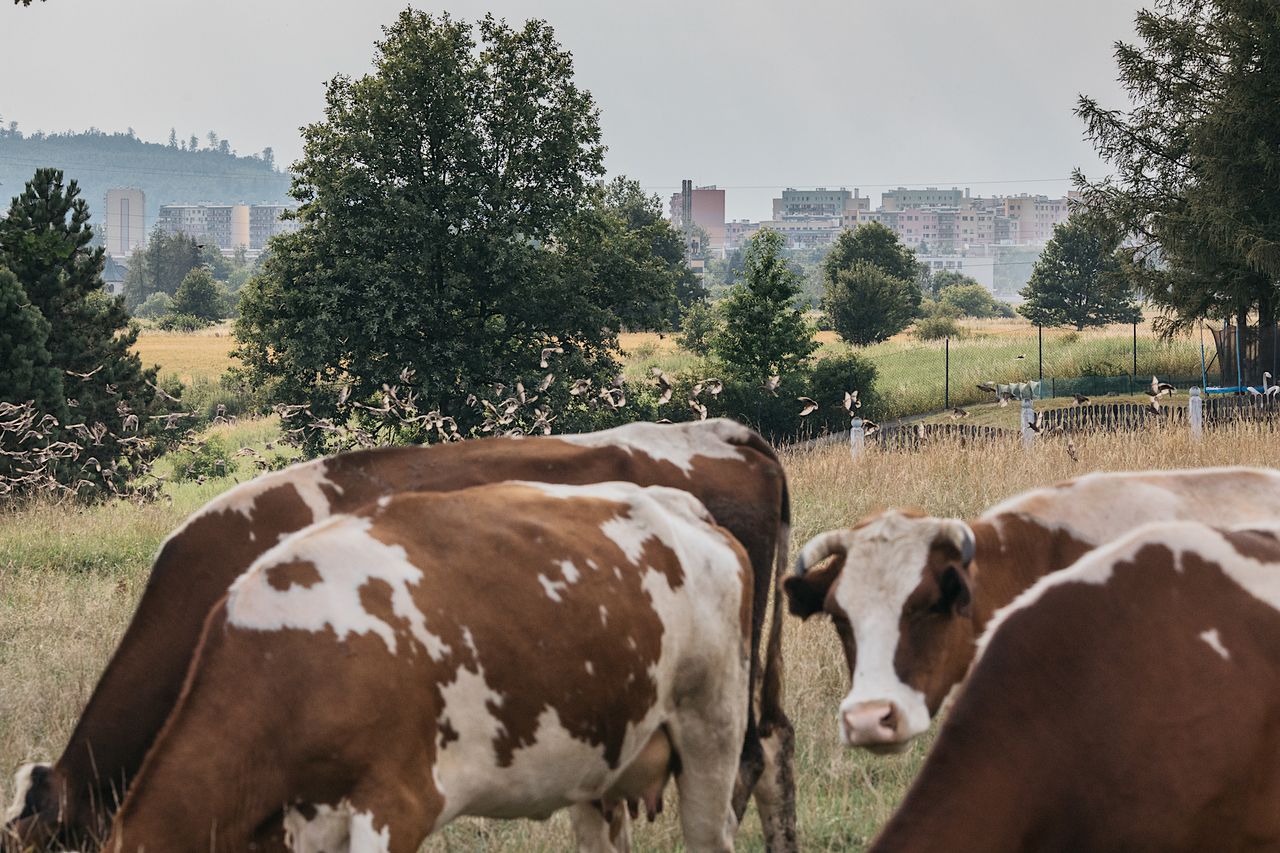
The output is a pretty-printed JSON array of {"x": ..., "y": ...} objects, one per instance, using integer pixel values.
[{"x": 1018, "y": 360}]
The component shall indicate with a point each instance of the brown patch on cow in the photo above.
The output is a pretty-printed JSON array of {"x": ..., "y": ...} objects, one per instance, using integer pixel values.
[
  {"x": 1110, "y": 692},
  {"x": 448, "y": 734},
  {"x": 596, "y": 708},
  {"x": 301, "y": 573},
  {"x": 1260, "y": 545}
]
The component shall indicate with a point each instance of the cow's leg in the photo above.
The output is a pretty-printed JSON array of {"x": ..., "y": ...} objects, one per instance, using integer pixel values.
[
  {"x": 596, "y": 833},
  {"x": 709, "y": 749},
  {"x": 775, "y": 792}
]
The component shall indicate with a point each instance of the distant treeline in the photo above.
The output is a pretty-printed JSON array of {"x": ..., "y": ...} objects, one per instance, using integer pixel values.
[{"x": 184, "y": 170}]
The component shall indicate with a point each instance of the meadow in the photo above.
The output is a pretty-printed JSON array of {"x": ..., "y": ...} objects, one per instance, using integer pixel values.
[
  {"x": 70, "y": 577},
  {"x": 911, "y": 371}
]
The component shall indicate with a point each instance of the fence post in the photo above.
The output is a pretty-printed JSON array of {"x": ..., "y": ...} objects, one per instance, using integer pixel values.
[
  {"x": 946, "y": 382},
  {"x": 1195, "y": 413},
  {"x": 857, "y": 438},
  {"x": 1040, "y": 340},
  {"x": 1028, "y": 416}
]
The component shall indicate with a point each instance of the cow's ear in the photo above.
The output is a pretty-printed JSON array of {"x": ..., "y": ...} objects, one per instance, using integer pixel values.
[
  {"x": 807, "y": 593},
  {"x": 956, "y": 587}
]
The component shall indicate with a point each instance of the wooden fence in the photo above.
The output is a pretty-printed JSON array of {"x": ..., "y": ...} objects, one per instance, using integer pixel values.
[{"x": 913, "y": 436}]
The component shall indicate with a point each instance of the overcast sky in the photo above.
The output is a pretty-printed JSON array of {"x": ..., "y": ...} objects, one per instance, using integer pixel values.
[{"x": 747, "y": 95}]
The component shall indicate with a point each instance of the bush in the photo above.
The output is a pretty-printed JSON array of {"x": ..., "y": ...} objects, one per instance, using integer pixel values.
[
  {"x": 156, "y": 305},
  {"x": 226, "y": 396},
  {"x": 936, "y": 328},
  {"x": 697, "y": 327},
  {"x": 212, "y": 458},
  {"x": 867, "y": 305},
  {"x": 199, "y": 296},
  {"x": 182, "y": 323},
  {"x": 830, "y": 379}
]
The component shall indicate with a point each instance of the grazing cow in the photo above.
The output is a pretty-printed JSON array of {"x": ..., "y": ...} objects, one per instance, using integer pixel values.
[
  {"x": 1130, "y": 702},
  {"x": 909, "y": 594},
  {"x": 731, "y": 469},
  {"x": 502, "y": 651}
]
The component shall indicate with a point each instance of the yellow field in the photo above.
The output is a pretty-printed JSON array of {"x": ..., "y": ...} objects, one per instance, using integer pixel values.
[
  {"x": 69, "y": 579},
  {"x": 190, "y": 356}
]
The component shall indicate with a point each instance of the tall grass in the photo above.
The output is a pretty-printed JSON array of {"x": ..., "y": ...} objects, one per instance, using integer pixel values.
[{"x": 69, "y": 579}]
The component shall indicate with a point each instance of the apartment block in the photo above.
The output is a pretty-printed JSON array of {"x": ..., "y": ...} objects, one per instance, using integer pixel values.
[
  {"x": 819, "y": 203},
  {"x": 227, "y": 226},
  {"x": 703, "y": 207},
  {"x": 125, "y": 228}
]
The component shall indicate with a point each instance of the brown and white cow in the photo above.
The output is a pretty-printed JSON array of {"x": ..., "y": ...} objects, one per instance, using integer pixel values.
[
  {"x": 503, "y": 651},
  {"x": 909, "y": 594},
  {"x": 1130, "y": 702},
  {"x": 730, "y": 468}
]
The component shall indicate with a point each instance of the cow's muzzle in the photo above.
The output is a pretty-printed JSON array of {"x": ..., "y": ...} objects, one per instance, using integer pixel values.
[{"x": 876, "y": 726}]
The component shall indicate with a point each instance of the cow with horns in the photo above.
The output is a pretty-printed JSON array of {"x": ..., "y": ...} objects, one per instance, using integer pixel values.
[
  {"x": 1130, "y": 702},
  {"x": 910, "y": 594},
  {"x": 728, "y": 467},
  {"x": 502, "y": 651}
]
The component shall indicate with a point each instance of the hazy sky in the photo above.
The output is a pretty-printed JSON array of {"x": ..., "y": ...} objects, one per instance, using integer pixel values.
[{"x": 747, "y": 95}]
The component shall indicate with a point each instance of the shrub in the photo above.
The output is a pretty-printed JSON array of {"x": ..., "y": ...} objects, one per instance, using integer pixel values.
[
  {"x": 156, "y": 305},
  {"x": 867, "y": 305},
  {"x": 182, "y": 323},
  {"x": 831, "y": 378},
  {"x": 211, "y": 458},
  {"x": 936, "y": 328},
  {"x": 697, "y": 327}
]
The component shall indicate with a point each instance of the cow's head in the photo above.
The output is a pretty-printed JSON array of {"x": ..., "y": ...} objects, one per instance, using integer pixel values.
[{"x": 899, "y": 592}]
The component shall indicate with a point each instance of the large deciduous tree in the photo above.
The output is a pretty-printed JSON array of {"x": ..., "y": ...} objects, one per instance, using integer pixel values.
[
  {"x": 762, "y": 332},
  {"x": 160, "y": 267},
  {"x": 1195, "y": 157},
  {"x": 442, "y": 203},
  {"x": 1079, "y": 280}
]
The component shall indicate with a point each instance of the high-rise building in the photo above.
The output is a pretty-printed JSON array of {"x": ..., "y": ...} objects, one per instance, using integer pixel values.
[
  {"x": 227, "y": 226},
  {"x": 125, "y": 228},
  {"x": 819, "y": 203},
  {"x": 703, "y": 207},
  {"x": 905, "y": 199}
]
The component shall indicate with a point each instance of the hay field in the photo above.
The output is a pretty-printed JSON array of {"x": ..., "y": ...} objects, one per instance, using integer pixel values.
[
  {"x": 69, "y": 579},
  {"x": 191, "y": 356}
]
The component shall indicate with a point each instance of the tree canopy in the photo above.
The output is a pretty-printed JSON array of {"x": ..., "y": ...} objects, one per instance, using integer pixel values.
[
  {"x": 762, "y": 332},
  {"x": 872, "y": 284},
  {"x": 1079, "y": 280},
  {"x": 876, "y": 244},
  {"x": 448, "y": 218},
  {"x": 1194, "y": 158}
]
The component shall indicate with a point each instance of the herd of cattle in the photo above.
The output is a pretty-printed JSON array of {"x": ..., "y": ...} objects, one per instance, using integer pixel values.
[{"x": 347, "y": 654}]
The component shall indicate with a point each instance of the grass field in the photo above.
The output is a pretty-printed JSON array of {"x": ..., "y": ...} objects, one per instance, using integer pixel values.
[
  {"x": 190, "y": 356},
  {"x": 69, "y": 579}
]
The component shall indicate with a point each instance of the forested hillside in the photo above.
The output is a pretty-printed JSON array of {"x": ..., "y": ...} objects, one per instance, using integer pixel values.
[{"x": 188, "y": 170}]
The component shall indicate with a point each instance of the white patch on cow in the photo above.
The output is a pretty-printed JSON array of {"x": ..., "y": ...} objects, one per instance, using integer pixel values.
[
  {"x": 1259, "y": 579},
  {"x": 627, "y": 536},
  {"x": 307, "y": 478},
  {"x": 1215, "y": 642},
  {"x": 21, "y": 787},
  {"x": 552, "y": 588},
  {"x": 334, "y": 829},
  {"x": 604, "y": 615},
  {"x": 678, "y": 444},
  {"x": 384, "y": 501},
  {"x": 347, "y": 558},
  {"x": 570, "y": 571},
  {"x": 885, "y": 562},
  {"x": 591, "y": 670},
  {"x": 1103, "y": 506}
]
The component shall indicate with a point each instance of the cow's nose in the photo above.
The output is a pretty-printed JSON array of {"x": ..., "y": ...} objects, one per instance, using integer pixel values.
[{"x": 871, "y": 723}]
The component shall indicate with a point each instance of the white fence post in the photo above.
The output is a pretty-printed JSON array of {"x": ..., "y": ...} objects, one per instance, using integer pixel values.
[
  {"x": 1195, "y": 414},
  {"x": 857, "y": 438},
  {"x": 1028, "y": 417}
]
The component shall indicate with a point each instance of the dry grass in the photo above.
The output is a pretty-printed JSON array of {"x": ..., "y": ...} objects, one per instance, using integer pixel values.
[
  {"x": 69, "y": 579},
  {"x": 205, "y": 354}
]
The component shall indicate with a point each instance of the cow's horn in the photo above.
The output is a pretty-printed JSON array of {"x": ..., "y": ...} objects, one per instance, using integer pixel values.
[
  {"x": 818, "y": 549},
  {"x": 961, "y": 535}
]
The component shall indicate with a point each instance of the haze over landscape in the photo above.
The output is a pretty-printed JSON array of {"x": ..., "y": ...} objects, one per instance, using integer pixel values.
[{"x": 752, "y": 97}]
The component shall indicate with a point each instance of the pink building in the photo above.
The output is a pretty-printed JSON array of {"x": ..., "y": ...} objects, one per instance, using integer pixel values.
[{"x": 704, "y": 207}]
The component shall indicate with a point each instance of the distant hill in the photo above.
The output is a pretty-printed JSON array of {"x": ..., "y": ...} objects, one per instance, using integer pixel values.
[{"x": 167, "y": 174}]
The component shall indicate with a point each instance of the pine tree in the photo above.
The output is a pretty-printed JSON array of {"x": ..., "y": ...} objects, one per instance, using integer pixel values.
[
  {"x": 45, "y": 242},
  {"x": 764, "y": 334},
  {"x": 26, "y": 371}
]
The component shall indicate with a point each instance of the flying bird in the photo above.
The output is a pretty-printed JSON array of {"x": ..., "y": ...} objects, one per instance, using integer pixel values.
[
  {"x": 1080, "y": 399},
  {"x": 1036, "y": 424},
  {"x": 1158, "y": 388},
  {"x": 810, "y": 406},
  {"x": 580, "y": 387},
  {"x": 851, "y": 401},
  {"x": 548, "y": 352},
  {"x": 986, "y": 386},
  {"x": 546, "y": 382},
  {"x": 90, "y": 373},
  {"x": 1071, "y": 450},
  {"x": 957, "y": 413},
  {"x": 771, "y": 385}
]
